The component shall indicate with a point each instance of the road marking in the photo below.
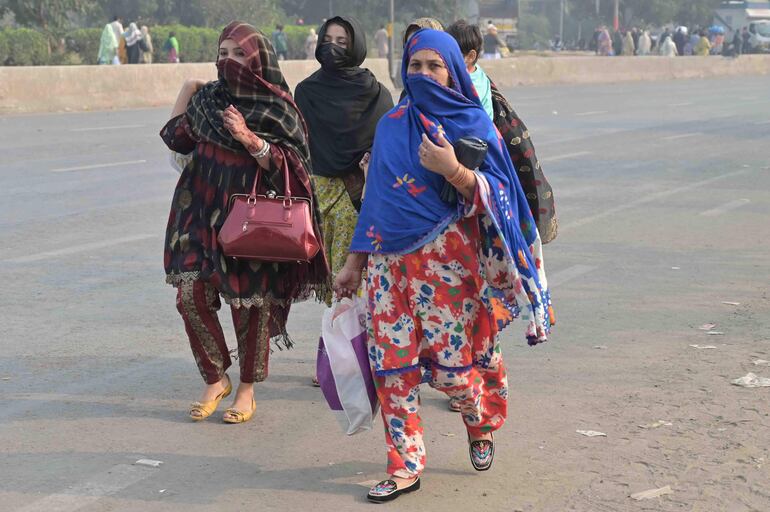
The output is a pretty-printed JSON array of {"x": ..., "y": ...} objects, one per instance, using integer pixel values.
[
  {"x": 565, "y": 157},
  {"x": 681, "y": 136},
  {"x": 99, "y": 166},
  {"x": 568, "y": 274},
  {"x": 647, "y": 199},
  {"x": 719, "y": 210},
  {"x": 685, "y": 104},
  {"x": 592, "y": 113},
  {"x": 77, "y": 249},
  {"x": 759, "y": 123},
  {"x": 100, "y": 128},
  {"x": 85, "y": 493}
]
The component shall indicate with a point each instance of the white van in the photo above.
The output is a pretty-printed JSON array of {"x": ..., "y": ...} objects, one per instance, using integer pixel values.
[{"x": 760, "y": 36}]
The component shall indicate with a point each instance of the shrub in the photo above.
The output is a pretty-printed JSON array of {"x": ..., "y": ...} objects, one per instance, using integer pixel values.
[
  {"x": 26, "y": 47},
  {"x": 296, "y": 36},
  {"x": 3, "y": 47},
  {"x": 84, "y": 42},
  {"x": 196, "y": 44}
]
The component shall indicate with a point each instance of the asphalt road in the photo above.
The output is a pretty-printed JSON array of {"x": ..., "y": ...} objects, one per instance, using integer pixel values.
[{"x": 662, "y": 191}]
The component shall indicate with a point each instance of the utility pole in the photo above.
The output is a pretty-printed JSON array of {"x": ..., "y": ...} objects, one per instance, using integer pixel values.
[
  {"x": 616, "y": 16},
  {"x": 392, "y": 46},
  {"x": 561, "y": 22}
]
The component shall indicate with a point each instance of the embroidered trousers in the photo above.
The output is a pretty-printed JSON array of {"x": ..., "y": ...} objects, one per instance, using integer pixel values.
[{"x": 198, "y": 303}]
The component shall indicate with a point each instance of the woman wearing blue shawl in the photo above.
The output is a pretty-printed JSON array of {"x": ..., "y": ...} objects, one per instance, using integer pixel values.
[{"x": 444, "y": 276}]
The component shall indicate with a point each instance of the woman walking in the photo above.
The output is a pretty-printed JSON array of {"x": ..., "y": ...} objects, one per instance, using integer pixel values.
[
  {"x": 310, "y": 44},
  {"x": 244, "y": 122},
  {"x": 342, "y": 103},
  {"x": 133, "y": 37},
  {"x": 146, "y": 45},
  {"x": 425, "y": 256},
  {"x": 171, "y": 47},
  {"x": 108, "y": 46}
]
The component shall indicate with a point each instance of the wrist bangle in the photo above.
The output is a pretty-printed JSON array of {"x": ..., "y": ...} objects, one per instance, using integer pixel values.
[
  {"x": 262, "y": 153},
  {"x": 462, "y": 178}
]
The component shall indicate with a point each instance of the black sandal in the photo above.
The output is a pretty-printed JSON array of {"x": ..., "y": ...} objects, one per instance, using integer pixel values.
[
  {"x": 388, "y": 490},
  {"x": 482, "y": 453}
]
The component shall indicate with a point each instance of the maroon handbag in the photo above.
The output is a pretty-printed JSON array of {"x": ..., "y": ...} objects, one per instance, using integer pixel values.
[{"x": 269, "y": 227}]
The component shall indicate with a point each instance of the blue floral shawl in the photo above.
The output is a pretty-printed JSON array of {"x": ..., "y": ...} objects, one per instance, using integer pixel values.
[{"x": 403, "y": 209}]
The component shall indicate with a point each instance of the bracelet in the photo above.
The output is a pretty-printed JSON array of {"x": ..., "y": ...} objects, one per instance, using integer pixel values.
[
  {"x": 262, "y": 153},
  {"x": 462, "y": 178}
]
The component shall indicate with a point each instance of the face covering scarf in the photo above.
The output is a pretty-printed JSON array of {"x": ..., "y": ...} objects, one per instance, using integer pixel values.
[
  {"x": 400, "y": 220},
  {"x": 341, "y": 103},
  {"x": 257, "y": 89}
]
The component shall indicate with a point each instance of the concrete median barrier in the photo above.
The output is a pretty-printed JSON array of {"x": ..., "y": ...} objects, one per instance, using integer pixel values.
[
  {"x": 590, "y": 70},
  {"x": 83, "y": 88}
]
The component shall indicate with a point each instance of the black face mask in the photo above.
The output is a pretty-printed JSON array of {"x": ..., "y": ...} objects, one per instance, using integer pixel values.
[{"x": 332, "y": 57}]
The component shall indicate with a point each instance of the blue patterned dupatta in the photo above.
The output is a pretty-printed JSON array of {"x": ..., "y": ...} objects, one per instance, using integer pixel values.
[{"x": 403, "y": 209}]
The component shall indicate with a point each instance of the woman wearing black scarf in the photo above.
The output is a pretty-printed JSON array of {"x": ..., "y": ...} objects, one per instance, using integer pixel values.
[{"x": 341, "y": 103}]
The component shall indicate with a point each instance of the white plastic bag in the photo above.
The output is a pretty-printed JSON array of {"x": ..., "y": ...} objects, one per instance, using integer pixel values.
[{"x": 343, "y": 365}]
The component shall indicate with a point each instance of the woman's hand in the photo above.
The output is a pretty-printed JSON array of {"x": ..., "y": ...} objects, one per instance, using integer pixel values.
[
  {"x": 364, "y": 163},
  {"x": 349, "y": 278},
  {"x": 236, "y": 125},
  {"x": 440, "y": 158}
]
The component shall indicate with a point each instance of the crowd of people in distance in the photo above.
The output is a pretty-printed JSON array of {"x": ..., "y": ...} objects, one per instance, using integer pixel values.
[
  {"x": 680, "y": 42},
  {"x": 132, "y": 45}
]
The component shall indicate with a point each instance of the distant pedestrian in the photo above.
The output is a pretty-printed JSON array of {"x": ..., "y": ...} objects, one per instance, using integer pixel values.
[
  {"x": 240, "y": 128},
  {"x": 718, "y": 43},
  {"x": 680, "y": 39},
  {"x": 604, "y": 43},
  {"x": 746, "y": 39},
  {"x": 171, "y": 47},
  {"x": 108, "y": 46},
  {"x": 703, "y": 47},
  {"x": 645, "y": 44},
  {"x": 492, "y": 43},
  {"x": 145, "y": 44},
  {"x": 666, "y": 33},
  {"x": 617, "y": 43},
  {"x": 310, "y": 44},
  {"x": 667, "y": 48},
  {"x": 133, "y": 35},
  {"x": 280, "y": 43},
  {"x": 629, "y": 50},
  {"x": 117, "y": 27},
  {"x": 737, "y": 43},
  {"x": 381, "y": 42},
  {"x": 594, "y": 45},
  {"x": 692, "y": 42}
]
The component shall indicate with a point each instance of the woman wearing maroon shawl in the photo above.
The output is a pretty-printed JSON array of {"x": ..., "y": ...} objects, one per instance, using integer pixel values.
[{"x": 245, "y": 120}]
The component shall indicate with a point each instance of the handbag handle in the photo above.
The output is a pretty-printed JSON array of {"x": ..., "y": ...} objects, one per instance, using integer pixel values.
[{"x": 287, "y": 187}]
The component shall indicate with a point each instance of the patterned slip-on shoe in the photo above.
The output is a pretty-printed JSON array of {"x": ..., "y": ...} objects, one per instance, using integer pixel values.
[
  {"x": 388, "y": 490},
  {"x": 482, "y": 453}
]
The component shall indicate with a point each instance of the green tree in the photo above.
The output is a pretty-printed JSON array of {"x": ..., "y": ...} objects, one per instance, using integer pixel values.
[
  {"x": 49, "y": 16},
  {"x": 257, "y": 12}
]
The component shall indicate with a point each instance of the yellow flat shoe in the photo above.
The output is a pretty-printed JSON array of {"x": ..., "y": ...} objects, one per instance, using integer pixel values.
[
  {"x": 235, "y": 416},
  {"x": 202, "y": 410}
]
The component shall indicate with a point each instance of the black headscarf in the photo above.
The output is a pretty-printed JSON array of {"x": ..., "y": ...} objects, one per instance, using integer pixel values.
[{"x": 341, "y": 103}]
